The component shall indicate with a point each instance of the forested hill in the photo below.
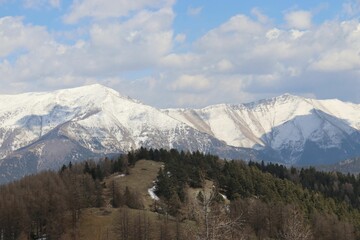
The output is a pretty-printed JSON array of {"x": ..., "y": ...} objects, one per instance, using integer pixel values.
[{"x": 200, "y": 197}]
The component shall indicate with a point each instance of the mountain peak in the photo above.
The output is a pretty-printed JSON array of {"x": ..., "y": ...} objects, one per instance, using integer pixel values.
[
  {"x": 95, "y": 91},
  {"x": 92, "y": 89},
  {"x": 97, "y": 86},
  {"x": 287, "y": 97},
  {"x": 284, "y": 98},
  {"x": 95, "y": 119}
]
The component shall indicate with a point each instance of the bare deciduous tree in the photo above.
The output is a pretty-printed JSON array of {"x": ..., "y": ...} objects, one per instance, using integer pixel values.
[
  {"x": 122, "y": 224},
  {"x": 295, "y": 228},
  {"x": 214, "y": 217}
]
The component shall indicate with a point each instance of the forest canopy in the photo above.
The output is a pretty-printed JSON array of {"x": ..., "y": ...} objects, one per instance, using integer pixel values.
[{"x": 247, "y": 199}]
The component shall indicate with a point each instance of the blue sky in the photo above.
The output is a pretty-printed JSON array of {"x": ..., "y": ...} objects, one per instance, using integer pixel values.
[{"x": 170, "y": 53}]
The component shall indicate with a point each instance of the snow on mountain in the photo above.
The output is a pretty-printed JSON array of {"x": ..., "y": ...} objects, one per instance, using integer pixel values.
[
  {"x": 286, "y": 126},
  {"x": 45, "y": 130},
  {"x": 53, "y": 128}
]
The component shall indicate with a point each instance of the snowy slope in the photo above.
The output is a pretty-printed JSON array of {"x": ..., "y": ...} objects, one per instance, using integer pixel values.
[
  {"x": 88, "y": 112},
  {"x": 285, "y": 125},
  {"x": 45, "y": 130},
  {"x": 54, "y": 128}
]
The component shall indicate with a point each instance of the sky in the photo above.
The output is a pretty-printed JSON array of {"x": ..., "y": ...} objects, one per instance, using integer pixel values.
[{"x": 169, "y": 53}]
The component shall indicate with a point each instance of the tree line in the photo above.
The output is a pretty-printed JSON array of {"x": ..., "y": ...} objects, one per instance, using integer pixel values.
[
  {"x": 50, "y": 203},
  {"x": 267, "y": 197},
  {"x": 244, "y": 201}
]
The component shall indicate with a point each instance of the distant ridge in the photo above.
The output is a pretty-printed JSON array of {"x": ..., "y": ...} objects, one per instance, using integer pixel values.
[
  {"x": 287, "y": 128},
  {"x": 45, "y": 130}
]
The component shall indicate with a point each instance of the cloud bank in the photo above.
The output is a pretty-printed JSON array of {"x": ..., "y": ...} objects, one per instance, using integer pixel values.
[{"x": 136, "y": 50}]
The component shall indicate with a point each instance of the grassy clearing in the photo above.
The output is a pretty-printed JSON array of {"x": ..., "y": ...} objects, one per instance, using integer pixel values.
[
  {"x": 140, "y": 179},
  {"x": 98, "y": 223}
]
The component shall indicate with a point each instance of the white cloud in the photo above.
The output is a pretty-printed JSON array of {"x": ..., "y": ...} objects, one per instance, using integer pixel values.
[
  {"x": 134, "y": 44},
  {"x": 224, "y": 65},
  {"x": 15, "y": 36},
  {"x": 296, "y": 33},
  {"x": 262, "y": 18},
  {"x": 102, "y": 9},
  {"x": 273, "y": 33},
  {"x": 192, "y": 99},
  {"x": 334, "y": 61},
  {"x": 237, "y": 31},
  {"x": 351, "y": 8},
  {"x": 111, "y": 49},
  {"x": 299, "y": 19},
  {"x": 341, "y": 51},
  {"x": 242, "y": 59},
  {"x": 55, "y": 3},
  {"x": 41, "y": 3},
  {"x": 191, "y": 82},
  {"x": 181, "y": 61},
  {"x": 180, "y": 38},
  {"x": 193, "y": 11}
]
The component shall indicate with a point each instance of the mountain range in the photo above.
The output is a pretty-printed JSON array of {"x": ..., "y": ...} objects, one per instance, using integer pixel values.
[{"x": 48, "y": 129}]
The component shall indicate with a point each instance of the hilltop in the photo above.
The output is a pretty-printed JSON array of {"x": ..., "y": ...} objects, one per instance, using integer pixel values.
[{"x": 197, "y": 196}]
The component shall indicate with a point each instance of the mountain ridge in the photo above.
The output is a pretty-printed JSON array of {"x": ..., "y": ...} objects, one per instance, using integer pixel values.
[
  {"x": 52, "y": 128},
  {"x": 297, "y": 108}
]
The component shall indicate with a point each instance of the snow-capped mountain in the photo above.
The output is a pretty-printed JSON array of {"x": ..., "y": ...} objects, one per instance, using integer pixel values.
[
  {"x": 45, "y": 130},
  {"x": 286, "y": 129}
]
